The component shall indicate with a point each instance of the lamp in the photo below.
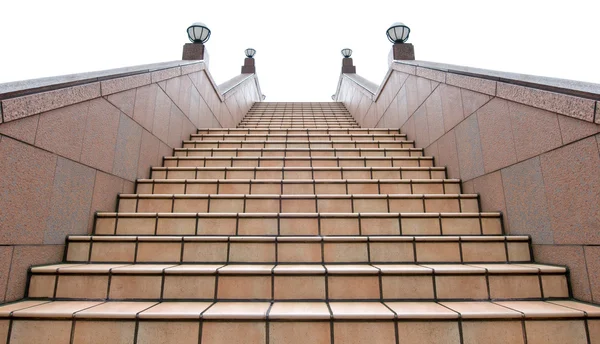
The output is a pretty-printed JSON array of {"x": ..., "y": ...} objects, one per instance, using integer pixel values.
[
  {"x": 250, "y": 53},
  {"x": 398, "y": 33},
  {"x": 198, "y": 33},
  {"x": 346, "y": 52}
]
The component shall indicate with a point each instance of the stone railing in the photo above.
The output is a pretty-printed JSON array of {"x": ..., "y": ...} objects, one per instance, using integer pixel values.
[
  {"x": 69, "y": 145},
  {"x": 529, "y": 145}
]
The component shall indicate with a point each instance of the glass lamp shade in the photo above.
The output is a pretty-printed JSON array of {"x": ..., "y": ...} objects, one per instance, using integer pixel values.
[
  {"x": 250, "y": 52},
  {"x": 198, "y": 33},
  {"x": 347, "y": 52},
  {"x": 398, "y": 33}
]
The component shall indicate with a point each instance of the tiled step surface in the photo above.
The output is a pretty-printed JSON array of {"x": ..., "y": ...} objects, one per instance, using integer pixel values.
[
  {"x": 286, "y": 282},
  {"x": 301, "y": 322},
  {"x": 299, "y": 227}
]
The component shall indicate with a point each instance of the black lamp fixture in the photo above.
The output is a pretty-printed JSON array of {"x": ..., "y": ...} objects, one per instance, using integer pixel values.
[
  {"x": 250, "y": 53},
  {"x": 198, "y": 33},
  {"x": 398, "y": 33},
  {"x": 346, "y": 52}
]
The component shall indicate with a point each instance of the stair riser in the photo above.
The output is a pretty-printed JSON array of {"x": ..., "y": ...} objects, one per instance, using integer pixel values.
[
  {"x": 322, "y": 204},
  {"x": 263, "y": 187},
  {"x": 365, "y": 173},
  {"x": 314, "y": 145},
  {"x": 271, "y": 224},
  {"x": 268, "y": 131},
  {"x": 278, "y": 287},
  {"x": 298, "y": 162},
  {"x": 313, "y": 138},
  {"x": 296, "y": 252},
  {"x": 299, "y": 152},
  {"x": 388, "y": 331}
]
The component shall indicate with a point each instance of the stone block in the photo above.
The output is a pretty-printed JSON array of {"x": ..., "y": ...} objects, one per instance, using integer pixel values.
[
  {"x": 124, "y": 101},
  {"x": 556, "y": 102},
  {"x": 468, "y": 146},
  {"x": 572, "y": 129},
  {"x": 432, "y": 74},
  {"x": 448, "y": 154},
  {"x": 23, "y": 258},
  {"x": 412, "y": 98},
  {"x": 145, "y": 103},
  {"x": 424, "y": 89},
  {"x": 404, "y": 51},
  {"x": 472, "y": 101},
  {"x": 408, "y": 128},
  {"x": 26, "y": 179},
  {"x": 162, "y": 114},
  {"x": 148, "y": 154},
  {"x": 472, "y": 83},
  {"x": 98, "y": 147},
  {"x": 535, "y": 131},
  {"x": 497, "y": 144},
  {"x": 61, "y": 131},
  {"x": 165, "y": 74},
  {"x": 572, "y": 182},
  {"x": 526, "y": 204},
  {"x": 116, "y": 85},
  {"x": 452, "y": 106},
  {"x": 6, "y": 253},
  {"x": 184, "y": 98},
  {"x": 193, "y": 51},
  {"x": 491, "y": 193},
  {"x": 574, "y": 258},
  {"x": 71, "y": 201},
  {"x": 104, "y": 197},
  {"x": 592, "y": 259},
  {"x": 192, "y": 68},
  {"x": 175, "y": 126},
  {"x": 172, "y": 89},
  {"x": 435, "y": 116},
  {"x": 421, "y": 129},
  {"x": 23, "y": 129},
  {"x": 19, "y": 107},
  {"x": 127, "y": 150}
]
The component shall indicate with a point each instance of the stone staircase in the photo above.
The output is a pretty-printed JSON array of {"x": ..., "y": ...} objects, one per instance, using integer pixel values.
[{"x": 298, "y": 227}]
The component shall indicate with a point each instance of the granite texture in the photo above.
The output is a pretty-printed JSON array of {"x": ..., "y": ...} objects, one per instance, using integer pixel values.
[
  {"x": 491, "y": 194},
  {"x": 421, "y": 129},
  {"x": 165, "y": 74},
  {"x": 472, "y": 101},
  {"x": 15, "y": 108},
  {"x": 122, "y": 84},
  {"x": 61, "y": 131},
  {"x": 556, "y": 102},
  {"x": 470, "y": 83},
  {"x": 452, "y": 106},
  {"x": 468, "y": 146},
  {"x": 149, "y": 154},
  {"x": 431, "y": 74},
  {"x": 496, "y": 134},
  {"x": 592, "y": 258},
  {"x": 6, "y": 253},
  {"x": 98, "y": 147},
  {"x": 23, "y": 258},
  {"x": 22, "y": 130},
  {"x": 124, "y": 101},
  {"x": 145, "y": 102},
  {"x": 162, "y": 114},
  {"x": 525, "y": 196},
  {"x": 448, "y": 154},
  {"x": 104, "y": 196},
  {"x": 128, "y": 149},
  {"x": 435, "y": 116},
  {"x": 572, "y": 129},
  {"x": 535, "y": 131}
]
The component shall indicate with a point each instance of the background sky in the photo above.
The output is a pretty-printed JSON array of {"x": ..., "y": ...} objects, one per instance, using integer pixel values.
[{"x": 298, "y": 43}]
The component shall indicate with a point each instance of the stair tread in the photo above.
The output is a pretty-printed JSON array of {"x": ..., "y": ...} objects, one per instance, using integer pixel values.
[{"x": 358, "y": 310}]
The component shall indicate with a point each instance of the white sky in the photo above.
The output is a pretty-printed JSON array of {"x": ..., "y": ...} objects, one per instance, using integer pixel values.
[{"x": 298, "y": 43}]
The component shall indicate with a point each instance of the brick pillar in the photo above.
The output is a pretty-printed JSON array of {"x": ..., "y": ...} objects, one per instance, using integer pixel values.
[
  {"x": 195, "y": 51},
  {"x": 347, "y": 66},
  {"x": 248, "y": 67}
]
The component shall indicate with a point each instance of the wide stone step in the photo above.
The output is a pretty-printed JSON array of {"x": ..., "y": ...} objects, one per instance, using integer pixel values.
[
  {"x": 297, "y": 144},
  {"x": 299, "y": 137},
  {"x": 298, "y": 250},
  {"x": 146, "y": 203},
  {"x": 305, "y": 152},
  {"x": 298, "y": 126},
  {"x": 298, "y": 186},
  {"x": 298, "y": 161},
  {"x": 286, "y": 282},
  {"x": 316, "y": 173},
  {"x": 306, "y": 131},
  {"x": 153, "y": 322}
]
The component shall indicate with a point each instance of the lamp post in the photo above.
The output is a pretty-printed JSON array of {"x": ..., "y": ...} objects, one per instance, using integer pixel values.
[
  {"x": 347, "y": 66},
  {"x": 398, "y": 34},
  {"x": 249, "y": 67},
  {"x": 198, "y": 33}
]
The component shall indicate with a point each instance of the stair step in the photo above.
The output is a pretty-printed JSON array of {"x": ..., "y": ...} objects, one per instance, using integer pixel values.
[
  {"x": 310, "y": 137},
  {"x": 148, "y": 203},
  {"x": 327, "y": 131},
  {"x": 314, "y": 282},
  {"x": 298, "y": 250},
  {"x": 306, "y": 152},
  {"x": 316, "y": 144},
  {"x": 298, "y": 173},
  {"x": 95, "y": 322},
  {"x": 298, "y": 161},
  {"x": 255, "y": 221},
  {"x": 298, "y": 186}
]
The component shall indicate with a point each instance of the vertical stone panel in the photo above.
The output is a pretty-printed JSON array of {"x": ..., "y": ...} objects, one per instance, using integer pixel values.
[
  {"x": 173, "y": 88},
  {"x": 491, "y": 193},
  {"x": 424, "y": 89},
  {"x": 409, "y": 128},
  {"x": 571, "y": 256},
  {"x": 145, "y": 102},
  {"x": 22, "y": 129},
  {"x": 452, "y": 106},
  {"x": 104, "y": 197},
  {"x": 572, "y": 129},
  {"x": 162, "y": 114},
  {"x": 26, "y": 178},
  {"x": 100, "y": 137},
  {"x": 448, "y": 154},
  {"x": 435, "y": 117},
  {"x": 592, "y": 258},
  {"x": 525, "y": 197},
  {"x": 175, "y": 124},
  {"x": 23, "y": 258},
  {"x": 412, "y": 98},
  {"x": 6, "y": 253},
  {"x": 468, "y": 146},
  {"x": 572, "y": 181},
  {"x": 497, "y": 144},
  {"x": 472, "y": 101},
  {"x": 185, "y": 95},
  {"x": 535, "y": 131},
  {"x": 124, "y": 101},
  {"x": 148, "y": 154},
  {"x": 71, "y": 200},
  {"x": 128, "y": 148},
  {"x": 421, "y": 128},
  {"x": 61, "y": 131}
]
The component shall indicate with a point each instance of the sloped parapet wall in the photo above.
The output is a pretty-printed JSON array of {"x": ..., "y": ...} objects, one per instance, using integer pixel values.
[
  {"x": 529, "y": 145},
  {"x": 69, "y": 145}
]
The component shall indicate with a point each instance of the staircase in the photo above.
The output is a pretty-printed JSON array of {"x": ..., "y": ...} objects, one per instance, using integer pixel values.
[{"x": 299, "y": 227}]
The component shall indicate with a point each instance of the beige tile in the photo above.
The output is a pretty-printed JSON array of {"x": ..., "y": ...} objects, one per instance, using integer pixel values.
[
  {"x": 299, "y": 252},
  {"x": 420, "y": 226},
  {"x": 189, "y": 287},
  {"x": 40, "y": 331},
  {"x": 364, "y": 332},
  {"x": 299, "y": 287},
  {"x": 135, "y": 287},
  {"x": 431, "y": 332},
  {"x": 252, "y": 252},
  {"x": 594, "y": 328},
  {"x": 85, "y": 287},
  {"x": 262, "y": 205},
  {"x": 330, "y": 189},
  {"x": 380, "y": 226},
  {"x": 491, "y": 226},
  {"x": 204, "y": 252},
  {"x": 136, "y": 226},
  {"x": 345, "y": 252},
  {"x": 237, "y": 310},
  {"x": 257, "y": 226},
  {"x": 234, "y": 332},
  {"x": 42, "y": 286},
  {"x": 176, "y": 226},
  {"x": 421, "y": 310},
  {"x": 407, "y": 287},
  {"x": 105, "y": 225},
  {"x": 484, "y": 252},
  {"x": 339, "y": 226},
  {"x": 115, "y": 310},
  {"x": 299, "y": 310},
  {"x": 460, "y": 226},
  {"x": 113, "y": 252},
  {"x": 555, "y": 286},
  {"x": 101, "y": 332},
  {"x": 555, "y": 331},
  {"x": 392, "y": 252},
  {"x": 353, "y": 287},
  {"x": 299, "y": 332},
  {"x": 152, "y": 205},
  {"x": 443, "y": 205},
  {"x": 190, "y": 205},
  {"x": 461, "y": 287},
  {"x": 299, "y": 226},
  {"x": 360, "y": 310},
  {"x": 171, "y": 331},
  {"x": 492, "y": 332},
  {"x": 437, "y": 252},
  {"x": 216, "y": 225},
  {"x": 78, "y": 251},
  {"x": 159, "y": 252},
  {"x": 507, "y": 287},
  {"x": 244, "y": 287},
  {"x": 298, "y": 206}
]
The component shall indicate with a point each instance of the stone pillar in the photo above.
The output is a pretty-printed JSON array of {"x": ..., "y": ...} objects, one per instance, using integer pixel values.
[
  {"x": 195, "y": 51},
  {"x": 347, "y": 66},
  {"x": 248, "y": 67}
]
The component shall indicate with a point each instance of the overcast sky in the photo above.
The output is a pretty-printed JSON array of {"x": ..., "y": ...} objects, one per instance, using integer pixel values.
[{"x": 298, "y": 43}]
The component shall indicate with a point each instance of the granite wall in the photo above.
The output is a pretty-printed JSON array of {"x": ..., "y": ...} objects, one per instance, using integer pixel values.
[
  {"x": 66, "y": 153},
  {"x": 531, "y": 153}
]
